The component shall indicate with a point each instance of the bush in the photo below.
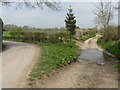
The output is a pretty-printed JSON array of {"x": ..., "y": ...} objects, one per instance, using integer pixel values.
[
  {"x": 118, "y": 66},
  {"x": 27, "y": 36},
  {"x": 39, "y": 36},
  {"x": 112, "y": 47},
  {"x": 53, "y": 38},
  {"x": 86, "y": 37},
  {"x": 110, "y": 33},
  {"x": 82, "y": 33},
  {"x": 16, "y": 35}
]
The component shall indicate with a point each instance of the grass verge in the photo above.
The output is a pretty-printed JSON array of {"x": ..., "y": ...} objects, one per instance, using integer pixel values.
[
  {"x": 54, "y": 56},
  {"x": 84, "y": 38},
  {"x": 112, "y": 47}
]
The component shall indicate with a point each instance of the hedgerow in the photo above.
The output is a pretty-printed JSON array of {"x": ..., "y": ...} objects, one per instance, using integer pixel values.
[{"x": 38, "y": 36}]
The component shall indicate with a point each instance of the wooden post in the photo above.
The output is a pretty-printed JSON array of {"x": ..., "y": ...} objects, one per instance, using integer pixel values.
[{"x": 1, "y": 31}]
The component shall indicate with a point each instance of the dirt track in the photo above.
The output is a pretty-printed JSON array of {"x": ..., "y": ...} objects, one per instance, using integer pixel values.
[
  {"x": 17, "y": 61},
  {"x": 82, "y": 74},
  {"x": 90, "y": 43}
]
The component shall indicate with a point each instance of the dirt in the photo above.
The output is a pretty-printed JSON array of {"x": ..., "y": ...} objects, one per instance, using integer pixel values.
[
  {"x": 90, "y": 43},
  {"x": 81, "y": 74},
  {"x": 17, "y": 62}
]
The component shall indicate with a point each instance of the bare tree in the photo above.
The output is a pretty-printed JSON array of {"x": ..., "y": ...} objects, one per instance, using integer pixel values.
[{"x": 104, "y": 13}]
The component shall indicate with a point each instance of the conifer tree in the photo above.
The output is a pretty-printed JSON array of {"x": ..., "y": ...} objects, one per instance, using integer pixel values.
[{"x": 70, "y": 21}]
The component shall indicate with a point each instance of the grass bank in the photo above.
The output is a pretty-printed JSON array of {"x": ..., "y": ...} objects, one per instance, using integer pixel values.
[
  {"x": 112, "y": 47},
  {"x": 54, "y": 56},
  {"x": 84, "y": 38}
]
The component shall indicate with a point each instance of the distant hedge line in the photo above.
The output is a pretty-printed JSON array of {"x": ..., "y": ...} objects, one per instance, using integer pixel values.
[
  {"x": 39, "y": 36},
  {"x": 81, "y": 34}
]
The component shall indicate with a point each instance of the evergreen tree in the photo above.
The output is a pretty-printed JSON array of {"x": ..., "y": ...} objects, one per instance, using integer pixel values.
[{"x": 70, "y": 22}]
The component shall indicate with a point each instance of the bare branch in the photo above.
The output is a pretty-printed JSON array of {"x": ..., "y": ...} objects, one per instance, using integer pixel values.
[
  {"x": 104, "y": 13},
  {"x": 38, "y": 3}
]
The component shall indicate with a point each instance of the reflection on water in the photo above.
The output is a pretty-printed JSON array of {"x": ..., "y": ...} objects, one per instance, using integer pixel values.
[{"x": 93, "y": 55}]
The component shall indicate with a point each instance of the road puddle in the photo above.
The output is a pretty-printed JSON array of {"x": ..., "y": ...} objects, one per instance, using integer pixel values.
[{"x": 92, "y": 55}]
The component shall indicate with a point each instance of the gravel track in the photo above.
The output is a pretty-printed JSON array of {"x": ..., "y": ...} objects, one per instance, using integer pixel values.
[{"x": 17, "y": 62}]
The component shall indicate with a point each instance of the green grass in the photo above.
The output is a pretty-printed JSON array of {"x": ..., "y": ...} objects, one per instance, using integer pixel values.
[
  {"x": 54, "y": 56},
  {"x": 84, "y": 38},
  {"x": 48, "y": 36},
  {"x": 112, "y": 47},
  {"x": 6, "y": 33},
  {"x": 48, "y": 31},
  {"x": 118, "y": 66}
]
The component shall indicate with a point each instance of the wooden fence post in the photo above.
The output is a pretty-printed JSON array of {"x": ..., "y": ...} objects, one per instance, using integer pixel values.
[{"x": 1, "y": 32}]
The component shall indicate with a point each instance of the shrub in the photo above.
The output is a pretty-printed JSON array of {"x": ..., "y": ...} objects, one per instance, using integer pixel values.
[
  {"x": 53, "y": 38},
  {"x": 112, "y": 47},
  {"x": 81, "y": 33},
  {"x": 39, "y": 36},
  {"x": 118, "y": 66},
  {"x": 16, "y": 35},
  {"x": 110, "y": 33},
  {"x": 86, "y": 37},
  {"x": 27, "y": 36}
]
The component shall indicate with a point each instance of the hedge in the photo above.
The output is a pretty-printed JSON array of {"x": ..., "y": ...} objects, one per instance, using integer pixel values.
[{"x": 39, "y": 36}]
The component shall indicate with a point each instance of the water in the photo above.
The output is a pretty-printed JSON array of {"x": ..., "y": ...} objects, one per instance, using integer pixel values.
[{"x": 92, "y": 55}]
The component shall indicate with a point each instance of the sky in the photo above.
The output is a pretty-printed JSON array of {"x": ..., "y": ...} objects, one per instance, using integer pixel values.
[{"x": 47, "y": 18}]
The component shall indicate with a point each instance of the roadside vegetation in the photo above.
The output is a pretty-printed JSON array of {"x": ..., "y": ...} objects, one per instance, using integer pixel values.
[
  {"x": 84, "y": 38},
  {"x": 57, "y": 47},
  {"x": 57, "y": 51},
  {"x": 54, "y": 56},
  {"x": 87, "y": 37},
  {"x": 110, "y": 42},
  {"x": 46, "y": 37}
]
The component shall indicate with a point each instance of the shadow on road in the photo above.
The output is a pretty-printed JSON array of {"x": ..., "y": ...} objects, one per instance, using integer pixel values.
[{"x": 7, "y": 45}]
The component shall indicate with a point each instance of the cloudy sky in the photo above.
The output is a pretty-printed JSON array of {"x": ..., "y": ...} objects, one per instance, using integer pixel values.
[{"x": 47, "y": 18}]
